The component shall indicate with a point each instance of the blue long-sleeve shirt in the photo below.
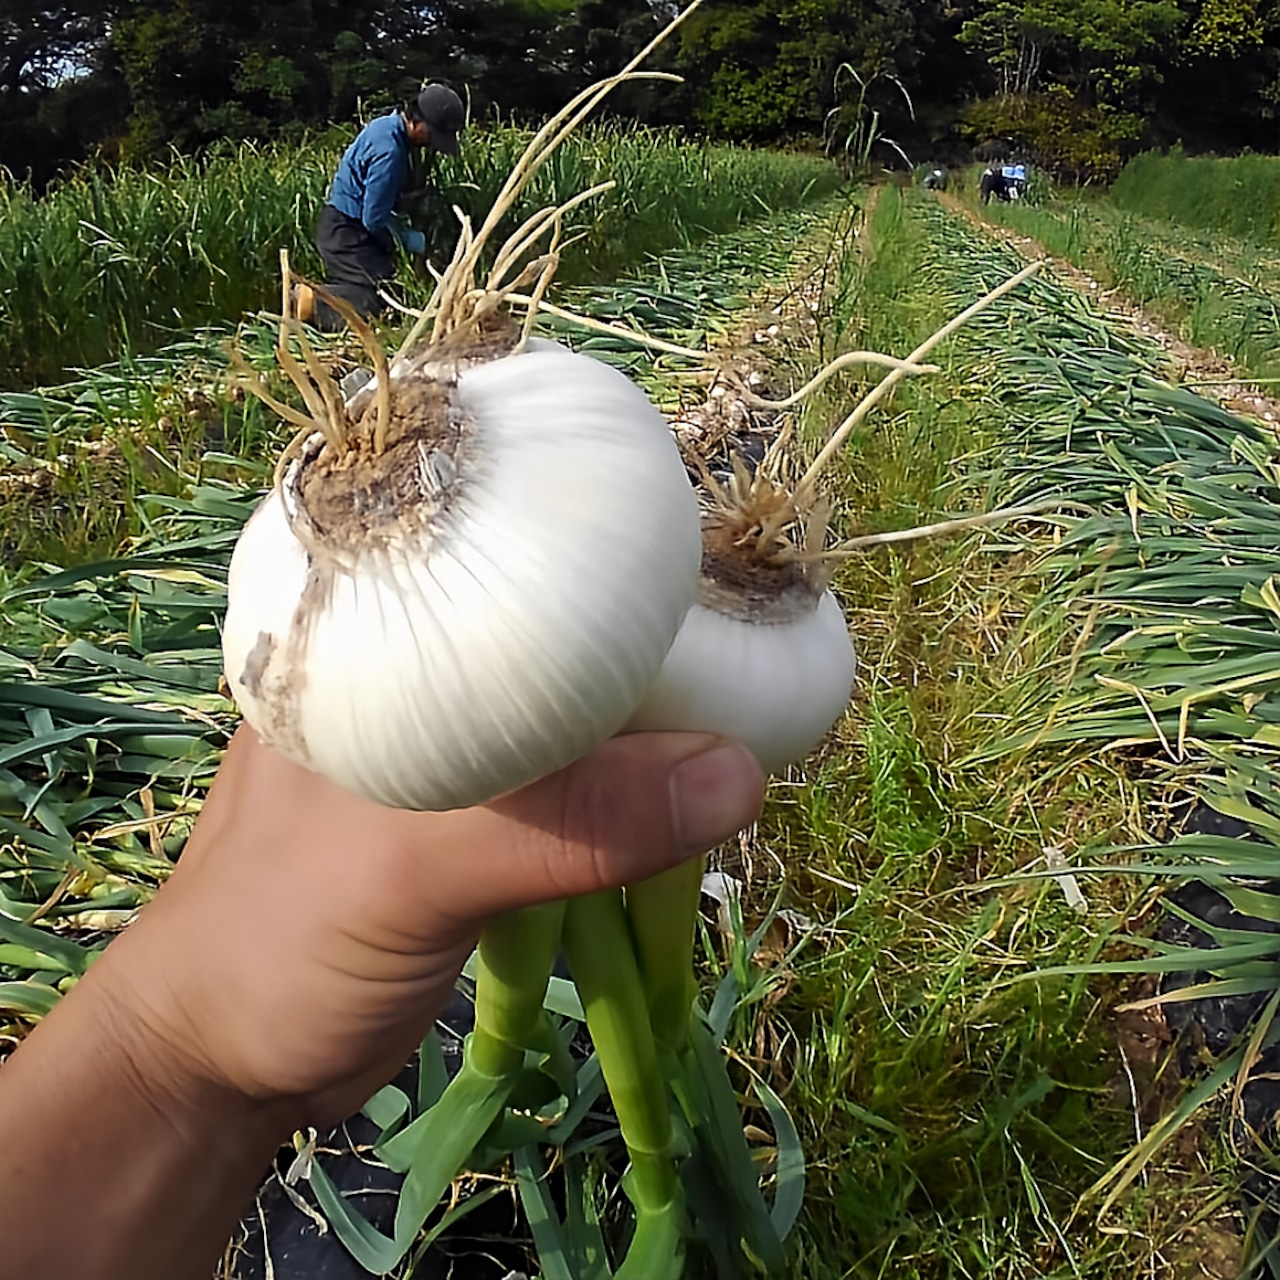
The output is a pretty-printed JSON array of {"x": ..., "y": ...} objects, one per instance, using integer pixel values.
[{"x": 371, "y": 173}]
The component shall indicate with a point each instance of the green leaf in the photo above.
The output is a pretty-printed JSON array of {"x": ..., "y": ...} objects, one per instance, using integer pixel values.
[
  {"x": 387, "y": 1107},
  {"x": 433, "y": 1078},
  {"x": 39, "y": 745},
  {"x": 435, "y": 1147},
  {"x": 562, "y": 998},
  {"x": 12, "y": 663},
  {"x": 366, "y": 1244},
  {"x": 69, "y": 955},
  {"x": 32, "y": 998},
  {"x": 553, "y": 1253},
  {"x": 589, "y": 1256},
  {"x": 788, "y": 1195},
  {"x": 87, "y": 708},
  {"x": 25, "y": 958},
  {"x": 713, "y": 1117},
  {"x": 590, "y": 1085}
]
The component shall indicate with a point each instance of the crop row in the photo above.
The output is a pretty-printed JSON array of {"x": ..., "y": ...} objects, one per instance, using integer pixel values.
[
  {"x": 1211, "y": 291},
  {"x": 109, "y": 263},
  {"x": 1167, "y": 579}
]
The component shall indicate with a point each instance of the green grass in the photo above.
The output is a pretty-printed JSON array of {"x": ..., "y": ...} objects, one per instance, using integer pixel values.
[{"x": 1237, "y": 196}]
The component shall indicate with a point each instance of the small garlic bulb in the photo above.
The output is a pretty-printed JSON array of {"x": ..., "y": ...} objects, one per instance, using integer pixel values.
[
  {"x": 776, "y": 687},
  {"x": 480, "y": 604},
  {"x": 764, "y": 656}
]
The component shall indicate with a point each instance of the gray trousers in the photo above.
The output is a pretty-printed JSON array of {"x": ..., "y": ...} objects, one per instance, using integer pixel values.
[{"x": 356, "y": 261}]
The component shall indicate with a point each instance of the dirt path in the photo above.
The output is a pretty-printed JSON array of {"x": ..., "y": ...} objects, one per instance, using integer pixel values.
[{"x": 1206, "y": 372}]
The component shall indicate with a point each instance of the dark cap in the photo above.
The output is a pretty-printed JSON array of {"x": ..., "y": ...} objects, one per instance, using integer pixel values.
[{"x": 442, "y": 110}]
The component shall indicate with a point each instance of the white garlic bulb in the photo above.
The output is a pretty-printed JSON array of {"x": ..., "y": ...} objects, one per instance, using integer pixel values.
[
  {"x": 775, "y": 685},
  {"x": 764, "y": 656},
  {"x": 482, "y": 603}
]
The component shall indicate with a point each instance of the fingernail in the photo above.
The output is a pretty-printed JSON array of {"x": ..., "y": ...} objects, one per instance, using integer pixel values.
[{"x": 714, "y": 795}]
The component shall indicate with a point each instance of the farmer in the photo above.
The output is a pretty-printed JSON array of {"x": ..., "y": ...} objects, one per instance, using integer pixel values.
[
  {"x": 302, "y": 948},
  {"x": 358, "y": 226},
  {"x": 993, "y": 184}
]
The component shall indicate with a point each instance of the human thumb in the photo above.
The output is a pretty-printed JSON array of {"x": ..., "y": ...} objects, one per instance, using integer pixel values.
[{"x": 635, "y": 806}]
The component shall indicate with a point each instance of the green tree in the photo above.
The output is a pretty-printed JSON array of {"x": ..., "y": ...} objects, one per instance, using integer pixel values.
[
  {"x": 508, "y": 53},
  {"x": 1072, "y": 140},
  {"x": 1225, "y": 28},
  {"x": 204, "y": 69},
  {"x": 41, "y": 43},
  {"x": 60, "y": 94},
  {"x": 1071, "y": 77},
  {"x": 1101, "y": 50},
  {"x": 188, "y": 72},
  {"x": 1222, "y": 79},
  {"x": 767, "y": 69}
]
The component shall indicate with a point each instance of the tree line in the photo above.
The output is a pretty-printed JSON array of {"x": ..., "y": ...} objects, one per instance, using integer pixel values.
[{"x": 1075, "y": 84}]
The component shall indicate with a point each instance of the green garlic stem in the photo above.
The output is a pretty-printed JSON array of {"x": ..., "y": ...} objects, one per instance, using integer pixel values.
[
  {"x": 516, "y": 954},
  {"x": 657, "y": 1247},
  {"x": 663, "y": 912},
  {"x": 598, "y": 944}
]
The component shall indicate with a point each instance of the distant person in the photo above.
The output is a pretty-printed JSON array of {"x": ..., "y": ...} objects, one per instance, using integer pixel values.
[
  {"x": 358, "y": 226},
  {"x": 935, "y": 180},
  {"x": 993, "y": 184}
]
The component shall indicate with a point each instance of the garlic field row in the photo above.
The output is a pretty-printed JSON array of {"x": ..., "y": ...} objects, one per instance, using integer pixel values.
[{"x": 1020, "y": 708}]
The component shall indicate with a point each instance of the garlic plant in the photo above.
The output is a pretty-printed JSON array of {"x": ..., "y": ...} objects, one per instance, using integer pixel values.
[
  {"x": 764, "y": 655},
  {"x": 485, "y": 563}
]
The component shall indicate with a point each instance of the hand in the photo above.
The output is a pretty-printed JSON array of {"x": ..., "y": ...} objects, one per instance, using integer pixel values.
[
  {"x": 309, "y": 938},
  {"x": 302, "y": 948},
  {"x": 414, "y": 241}
]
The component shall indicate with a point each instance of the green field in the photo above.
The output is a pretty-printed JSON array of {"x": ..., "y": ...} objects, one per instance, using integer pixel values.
[
  {"x": 1177, "y": 238},
  {"x": 107, "y": 265},
  {"x": 967, "y": 869}
]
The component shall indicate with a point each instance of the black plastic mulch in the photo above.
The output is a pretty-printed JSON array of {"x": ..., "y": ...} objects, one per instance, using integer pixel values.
[{"x": 489, "y": 1244}]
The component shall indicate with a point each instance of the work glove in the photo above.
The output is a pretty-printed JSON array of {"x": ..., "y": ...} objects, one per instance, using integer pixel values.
[{"x": 414, "y": 241}]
